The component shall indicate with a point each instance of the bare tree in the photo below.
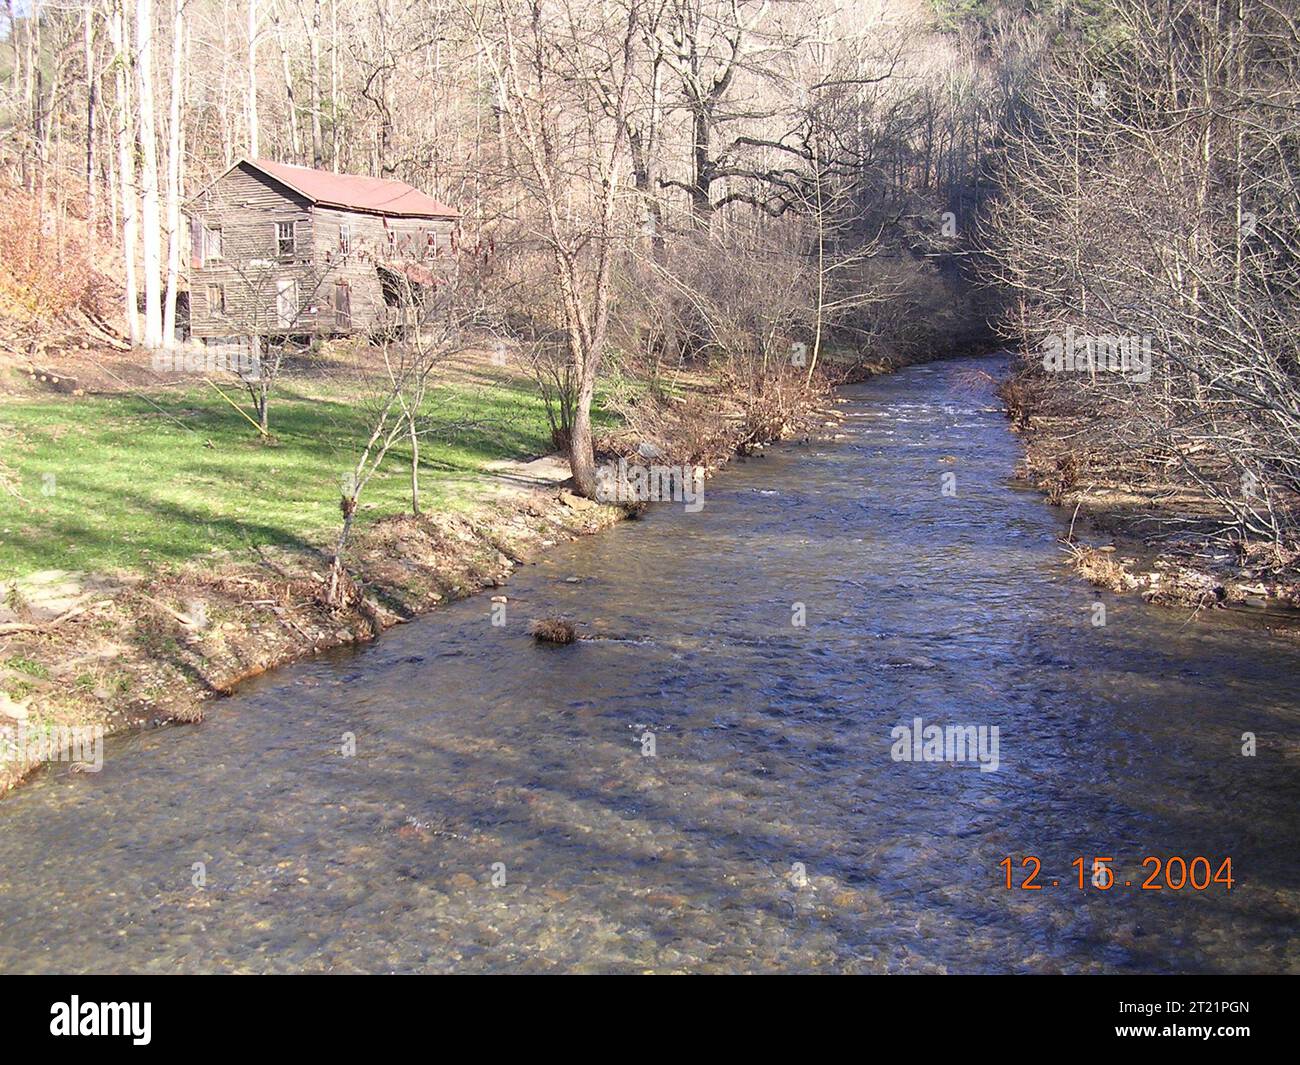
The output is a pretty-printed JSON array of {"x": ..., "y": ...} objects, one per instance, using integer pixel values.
[
  {"x": 275, "y": 325},
  {"x": 151, "y": 227},
  {"x": 428, "y": 315},
  {"x": 92, "y": 107},
  {"x": 254, "y": 140},
  {"x": 120, "y": 32},
  {"x": 175, "y": 150},
  {"x": 564, "y": 80}
]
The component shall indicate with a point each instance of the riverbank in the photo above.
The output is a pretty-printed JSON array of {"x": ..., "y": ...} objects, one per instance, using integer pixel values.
[
  {"x": 1131, "y": 531},
  {"x": 134, "y": 627},
  {"x": 153, "y": 648}
]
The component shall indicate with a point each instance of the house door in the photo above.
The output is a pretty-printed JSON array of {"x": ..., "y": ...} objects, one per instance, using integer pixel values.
[
  {"x": 342, "y": 305},
  {"x": 286, "y": 301}
]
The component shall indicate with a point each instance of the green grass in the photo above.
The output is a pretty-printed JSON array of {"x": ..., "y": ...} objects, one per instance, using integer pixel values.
[
  {"x": 125, "y": 481},
  {"x": 31, "y": 667}
]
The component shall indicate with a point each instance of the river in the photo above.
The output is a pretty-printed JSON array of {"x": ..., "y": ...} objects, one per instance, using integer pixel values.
[{"x": 710, "y": 786}]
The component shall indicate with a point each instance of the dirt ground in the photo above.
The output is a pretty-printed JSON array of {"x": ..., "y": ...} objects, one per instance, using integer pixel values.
[{"x": 102, "y": 369}]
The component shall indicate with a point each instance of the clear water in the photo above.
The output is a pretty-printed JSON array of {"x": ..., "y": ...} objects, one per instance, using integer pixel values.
[{"x": 772, "y": 830}]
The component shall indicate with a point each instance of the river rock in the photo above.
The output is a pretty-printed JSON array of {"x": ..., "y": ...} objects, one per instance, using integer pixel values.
[
  {"x": 9, "y": 708},
  {"x": 576, "y": 502}
]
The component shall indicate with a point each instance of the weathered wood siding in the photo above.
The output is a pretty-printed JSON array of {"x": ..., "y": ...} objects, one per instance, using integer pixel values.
[
  {"x": 369, "y": 247},
  {"x": 246, "y": 205}
]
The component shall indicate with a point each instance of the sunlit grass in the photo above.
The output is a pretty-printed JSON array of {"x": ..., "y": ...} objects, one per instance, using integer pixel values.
[{"x": 125, "y": 481}]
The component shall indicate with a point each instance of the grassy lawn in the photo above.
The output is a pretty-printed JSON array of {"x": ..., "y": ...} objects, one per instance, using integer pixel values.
[{"x": 126, "y": 481}]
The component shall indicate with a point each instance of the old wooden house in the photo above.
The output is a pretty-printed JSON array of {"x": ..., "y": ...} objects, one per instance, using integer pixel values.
[{"x": 280, "y": 249}]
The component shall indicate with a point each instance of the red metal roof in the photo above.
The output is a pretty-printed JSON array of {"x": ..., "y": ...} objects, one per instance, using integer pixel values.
[{"x": 356, "y": 193}]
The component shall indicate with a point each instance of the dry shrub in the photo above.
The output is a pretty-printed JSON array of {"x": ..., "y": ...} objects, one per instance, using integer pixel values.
[
  {"x": 742, "y": 310},
  {"x": 1268, "y": 557},
  {"x": 554, "y": 630},
  {"x": 1016, "y": 396},
  {"x": 688, "y": 429},
  {"x": 46, "y": 273},
  {"x": 1063, "y": 479},
  {"x": 773, "y": 398},
  {"x": 702, "y": 434}
]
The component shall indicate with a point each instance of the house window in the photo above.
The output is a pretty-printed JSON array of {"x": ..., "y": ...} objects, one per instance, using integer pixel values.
[
  {"x": 285, "y": 244},
  {"x": 431, "y": 240},
  {"x": 342, "y": 304},
  {"x": 286, "y": 301},
  {"x": 216, "y": 299},
  {"x": 211, "y": 244},
  {"x": 392, "y": 243},
  {"x": 345, "y": 238}
]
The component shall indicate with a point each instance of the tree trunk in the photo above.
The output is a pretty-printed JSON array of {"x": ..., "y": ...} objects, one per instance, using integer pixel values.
[
  {"x": 295, "y": 138},
  {"x": 175, "y": 142},
  {"x": 820, "y": 221},
  {"x": 151, "y": 224},
  {"x": 701, "y": 186},
  {"x": 415, "y": 465},
  {"x": 582, "y": 460},
  {"x": 31, "y": 96},
  {"x": 254, "y": 146},
  {"x": 643, "y": 177},
  {"x": 112, "y": 185},
  {"x": 16, "y": 74},
  {"x": 120, "y": 30},
  {"x": 92, "y": 102},
  {"x": 317, "y": 147},
  {"x": 336, "y": 566},
  {"x": 334, "y": 85}
]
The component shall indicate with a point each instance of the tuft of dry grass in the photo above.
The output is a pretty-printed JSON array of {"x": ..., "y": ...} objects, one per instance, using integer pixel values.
[
  {"x": 1063, "y": 479},
  {"x": 1100, "y": 568},
  {"x": 554, "y": 630},
  {"x": 1016, "y": 396}
]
